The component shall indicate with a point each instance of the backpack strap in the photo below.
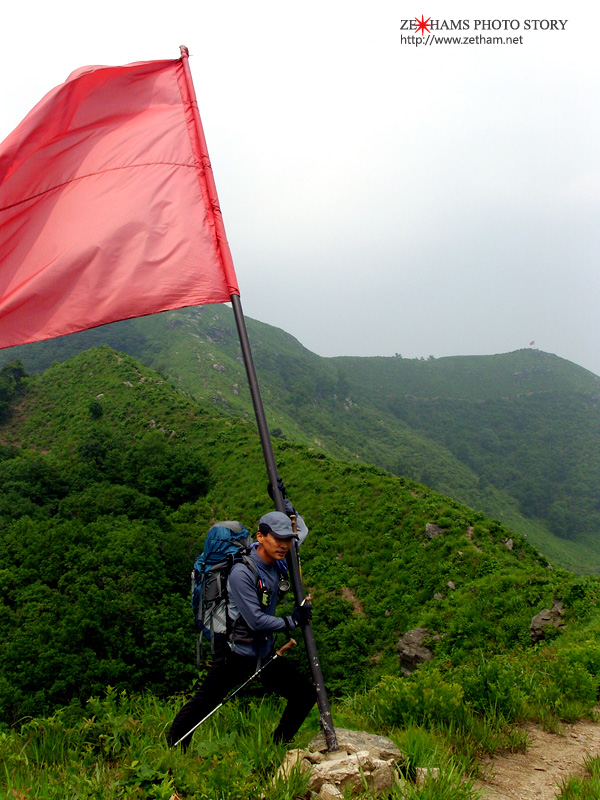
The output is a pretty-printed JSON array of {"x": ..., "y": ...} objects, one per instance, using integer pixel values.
[
  {"x": 243, "y": 558},
  {"x": 240, "y": 630}
]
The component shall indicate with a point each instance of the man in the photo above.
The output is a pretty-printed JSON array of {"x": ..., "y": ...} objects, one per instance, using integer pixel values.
[{"x": 252, "y": 603}]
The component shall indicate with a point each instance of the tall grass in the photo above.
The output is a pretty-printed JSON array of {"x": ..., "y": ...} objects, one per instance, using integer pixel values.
[
  {"x": 585, "y": 787},
  {"x": 444, "y": 721},
  {"x": 115, "y": 748}
]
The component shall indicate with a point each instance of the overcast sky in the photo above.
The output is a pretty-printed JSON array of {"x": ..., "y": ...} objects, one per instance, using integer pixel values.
[{"x": 379, "y": 197}]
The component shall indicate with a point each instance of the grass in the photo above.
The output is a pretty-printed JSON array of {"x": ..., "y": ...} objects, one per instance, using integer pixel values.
[
  {"x": 114, "y": 746},
  {"x": 486, "y": 677},
  {"x": 585, "y": 787}
]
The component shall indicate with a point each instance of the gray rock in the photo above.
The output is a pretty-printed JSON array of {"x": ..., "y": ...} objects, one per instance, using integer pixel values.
[
  {"x": 355, "y": 741},
  {"x": 361, "y": 757},
  {"x": 433, "y": 531},
  {"x": 412, "y": 651},
  {"x": 547, "y": 617},
  {"x": 329, "y": 791}
]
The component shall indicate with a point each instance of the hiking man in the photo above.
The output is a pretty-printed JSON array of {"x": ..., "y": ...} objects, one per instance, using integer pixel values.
[{"x": 251, "y": 608}]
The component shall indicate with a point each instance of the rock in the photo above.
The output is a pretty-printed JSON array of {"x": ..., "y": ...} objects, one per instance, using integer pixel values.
[
  {"x": 451, "y": 585},
  {"x": 345, "y": 773},
  {"x": 292, "y": 758},
  {"x": 424, "y": 773},
  {"x": 508, "y": 543},
  {"x": 354, "y": 741},
  {"x": 433, "y": 531},
  {"x": 438, "y": 596},
  {"x": 412, "y": 651},
  {"x": 548, "y": 616},
  {"x": 312, "y": 757},
  {"x": 362, "y": 760},
  {"x": 329, "y": 791},
  {"x": 382, "y": 778}
]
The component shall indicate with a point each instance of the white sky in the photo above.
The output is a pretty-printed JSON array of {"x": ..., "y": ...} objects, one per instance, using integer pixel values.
[{"x": 378, "y": 197}]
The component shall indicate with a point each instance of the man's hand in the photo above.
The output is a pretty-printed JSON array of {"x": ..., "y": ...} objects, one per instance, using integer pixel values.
[
  {"x": 302, "y": 614},
  {"x": 280, "y": 486},
  {"x": 289, "y": 508}
]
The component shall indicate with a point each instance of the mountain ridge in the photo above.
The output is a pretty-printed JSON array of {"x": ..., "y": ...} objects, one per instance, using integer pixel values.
[{"x": 401, "y": 414}]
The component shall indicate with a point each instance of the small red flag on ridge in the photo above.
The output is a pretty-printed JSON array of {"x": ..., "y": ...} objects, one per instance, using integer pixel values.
[{"x": 106, "y": 208}]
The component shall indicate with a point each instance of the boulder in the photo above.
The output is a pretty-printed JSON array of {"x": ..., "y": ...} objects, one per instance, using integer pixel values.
[
  {"x": 547, "y": 617},
  {"x": 412, "y": 651},
  {"x": 433, "y": 531},
  {"x": 362, "y": 758}
]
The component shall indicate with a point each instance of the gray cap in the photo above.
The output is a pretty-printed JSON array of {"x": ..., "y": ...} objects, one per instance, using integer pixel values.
[{"x": 278, "y": 524}]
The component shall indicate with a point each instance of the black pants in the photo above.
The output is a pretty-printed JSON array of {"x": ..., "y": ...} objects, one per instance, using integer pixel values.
[{"x": 228, "y": 671}]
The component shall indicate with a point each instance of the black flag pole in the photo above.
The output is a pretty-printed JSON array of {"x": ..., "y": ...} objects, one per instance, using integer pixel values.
[
  {"x": 292, "y": 557},
  {"x": 263, "y": 430}
]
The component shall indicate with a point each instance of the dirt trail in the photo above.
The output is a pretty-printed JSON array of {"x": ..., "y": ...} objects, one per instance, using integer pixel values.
[{"x": 550, "y": 759}]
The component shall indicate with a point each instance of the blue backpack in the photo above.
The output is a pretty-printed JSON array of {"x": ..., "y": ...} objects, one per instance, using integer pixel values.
[{"x": 225, "y": 544}]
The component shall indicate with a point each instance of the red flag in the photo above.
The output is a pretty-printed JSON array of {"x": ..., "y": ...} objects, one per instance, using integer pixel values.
[
  {"x": 530, "y": 343},
  {"x": 107, "y": 205}
]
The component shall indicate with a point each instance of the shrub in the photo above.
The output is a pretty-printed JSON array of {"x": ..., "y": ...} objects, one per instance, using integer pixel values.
[{"x": 423, "y": 699}]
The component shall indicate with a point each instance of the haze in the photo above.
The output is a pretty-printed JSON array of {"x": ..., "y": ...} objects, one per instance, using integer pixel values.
[{"x": 379, "y": 197}]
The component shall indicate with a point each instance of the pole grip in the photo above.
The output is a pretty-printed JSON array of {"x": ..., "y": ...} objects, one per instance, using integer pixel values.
[{"x": 282, "y": 650}]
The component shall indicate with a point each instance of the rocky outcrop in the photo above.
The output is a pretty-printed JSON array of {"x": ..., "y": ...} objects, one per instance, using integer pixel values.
[
  {"x": 361, "y": 758},
  {"x": 412, "y": 651},
  {"x": 433, "y": 531},
  {"x": 548, "y": 617}
]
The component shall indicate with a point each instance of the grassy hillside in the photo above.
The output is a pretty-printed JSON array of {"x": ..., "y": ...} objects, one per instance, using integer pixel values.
[
  {"x": 368, "y": 526},
  {"x": 515, "y": 435},
  {"x": 471, "y": 377},
  {"x": 95, "y": 551}
]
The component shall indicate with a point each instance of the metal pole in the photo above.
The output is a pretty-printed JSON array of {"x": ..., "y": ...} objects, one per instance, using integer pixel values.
[
  {"x": 263, "y": 430},
  {"x": 292, "y": 557}
]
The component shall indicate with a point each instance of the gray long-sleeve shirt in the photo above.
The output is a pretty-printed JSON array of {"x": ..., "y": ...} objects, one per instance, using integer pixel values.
[{"x": 244, "y": 600}]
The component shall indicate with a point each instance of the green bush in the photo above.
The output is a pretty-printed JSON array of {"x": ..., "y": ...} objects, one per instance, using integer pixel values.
[{"x": 424, "y": 698}]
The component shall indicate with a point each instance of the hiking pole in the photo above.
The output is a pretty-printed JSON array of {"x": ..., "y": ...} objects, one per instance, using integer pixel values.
[{"x": 279, "y": 654}]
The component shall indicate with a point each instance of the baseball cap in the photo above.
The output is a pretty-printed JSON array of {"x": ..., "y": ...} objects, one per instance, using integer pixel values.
[{"x": 278, "y": 524}]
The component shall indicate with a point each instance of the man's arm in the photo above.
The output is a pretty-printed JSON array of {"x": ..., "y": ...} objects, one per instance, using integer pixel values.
[
  {"x": 242, "y": 590},
  {"x": 301, "y": 529}
]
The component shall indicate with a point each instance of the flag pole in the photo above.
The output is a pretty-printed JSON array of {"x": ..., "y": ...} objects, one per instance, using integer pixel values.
[{"x": 263, "y": 429}]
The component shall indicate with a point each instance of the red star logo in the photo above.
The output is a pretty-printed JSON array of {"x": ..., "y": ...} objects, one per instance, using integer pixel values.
[{"x": 423, "y": 24}]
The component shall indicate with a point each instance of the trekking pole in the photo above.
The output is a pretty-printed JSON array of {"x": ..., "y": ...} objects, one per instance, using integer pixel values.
[{"x": 279, "y": 654}]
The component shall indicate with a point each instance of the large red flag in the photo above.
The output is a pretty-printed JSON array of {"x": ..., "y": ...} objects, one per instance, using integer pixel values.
[{"x": 107, "y": 205}]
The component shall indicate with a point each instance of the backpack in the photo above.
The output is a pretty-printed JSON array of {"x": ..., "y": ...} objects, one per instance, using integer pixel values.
[{"x": 225, "y": 544}]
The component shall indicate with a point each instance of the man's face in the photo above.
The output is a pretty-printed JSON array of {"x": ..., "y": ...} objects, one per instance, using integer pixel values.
[{"x": 272, "y": 549}]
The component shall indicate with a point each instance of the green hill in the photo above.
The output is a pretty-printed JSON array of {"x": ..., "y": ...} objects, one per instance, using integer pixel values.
[
  {"x": 101, "y": 442},
  {"x": 515, "y": 435},
  {"x": 109, "y": 479}
]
